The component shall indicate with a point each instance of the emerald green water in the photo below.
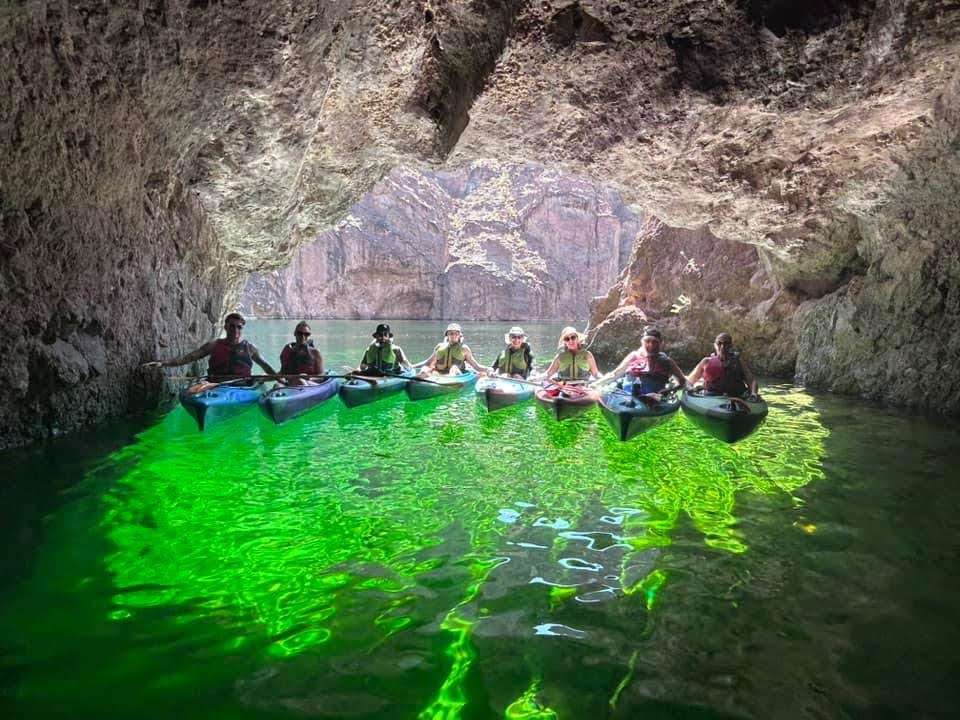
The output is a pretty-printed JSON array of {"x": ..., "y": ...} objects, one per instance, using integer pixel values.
[{"x": 431, "y": 560}]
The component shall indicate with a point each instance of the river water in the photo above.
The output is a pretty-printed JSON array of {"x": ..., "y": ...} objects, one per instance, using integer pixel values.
[{"x": 405, "y": 560}]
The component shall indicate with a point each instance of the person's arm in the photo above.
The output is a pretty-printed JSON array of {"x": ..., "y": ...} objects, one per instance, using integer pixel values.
[
  {"x": 677, "y": 374},
  {"x": 496, "y": 363},
  {"x": 468, "y": 356},
  {"x": 402, "y": 359},
  {"x": 748, "y": 376},
  {"x": 696, "y": 373},
  {"x": 593, "y": 365},
  {"x": 554, "y": 366},
  {"x": 192, "y": 356},
  {"x": 529, "y": 354},
  {"x": 255, "y": 354},
  {"x": 616, "y": 372},
  {"x": 429, "y": 364}
]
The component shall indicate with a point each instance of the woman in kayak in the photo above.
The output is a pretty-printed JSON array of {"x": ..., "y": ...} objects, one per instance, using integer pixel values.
[
  {"x": 230, "y": 357},
  {"x": 572, "y": 367},
  {"x": 516, "y": 359},
  {"x": 382, "y": 357},
  {"x": 724, "y": 372},
  {"x": 648, "y": 368},
  {"x": 300, "y": 358},
  {"x": 452, "y": 356}
]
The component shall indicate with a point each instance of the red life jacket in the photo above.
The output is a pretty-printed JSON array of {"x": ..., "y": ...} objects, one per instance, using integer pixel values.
[
  {"x": 724, "y": 377},
  {"x": 227, "y": 359},
  {"x": 656, "y": 365},
  {"x": 298, "y": 360}
]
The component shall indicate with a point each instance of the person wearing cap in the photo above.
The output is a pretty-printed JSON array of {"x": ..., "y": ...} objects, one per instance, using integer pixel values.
[
  {"x": 451, "y": 356},
  {"x": 300, "y": 358},
  {"x": 724, "y": 372},
  {"x": 230, "y": 357},
  {"x": 516, "y": 359},
  {"x": 572, "y": 361},
  {"x": 382, "y": 356},
  {"x": 648, "y": 368}
]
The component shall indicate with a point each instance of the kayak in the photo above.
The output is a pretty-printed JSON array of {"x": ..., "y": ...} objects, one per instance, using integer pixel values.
[
  {"x": 440, "y": 385},
  {"x": 726, "y": 418},
  {"x": 569, "y": 402},
  {"x": 362, "y": 389},
  {"x": 220, "y": 402},
  {"x": 284, "y": 403},
  {"x": 629, "y": 416},
  {"x": 498, "y": 392}
]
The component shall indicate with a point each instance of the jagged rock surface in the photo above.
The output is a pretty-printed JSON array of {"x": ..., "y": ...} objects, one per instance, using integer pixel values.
[
  {"x": 796, "y": 128},
  {"x": 486, "y": 242}
]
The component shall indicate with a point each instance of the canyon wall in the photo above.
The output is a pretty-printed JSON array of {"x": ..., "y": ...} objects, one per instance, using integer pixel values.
[
  {"x": 154, "y": 155},
  {"x": 484, "y": 242}
]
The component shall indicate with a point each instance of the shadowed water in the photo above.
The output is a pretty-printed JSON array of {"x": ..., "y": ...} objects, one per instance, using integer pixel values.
[{"x": 433, "y": 560}]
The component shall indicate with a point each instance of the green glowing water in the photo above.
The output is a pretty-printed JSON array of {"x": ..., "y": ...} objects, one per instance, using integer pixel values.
[{"x": 404, "y": 560}]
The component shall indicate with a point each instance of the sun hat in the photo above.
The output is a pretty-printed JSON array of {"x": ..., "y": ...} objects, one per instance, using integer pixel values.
[
  {"x": 567, "y": 331},
  {"x": 383, "y": 329},
  {"x": 453, "y": 327},
  {"x": 515, "y": 330}
]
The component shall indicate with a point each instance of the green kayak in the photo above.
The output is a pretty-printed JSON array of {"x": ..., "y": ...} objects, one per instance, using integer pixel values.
[
  {"x": 726, "y": 418},
  {"x": 629, "y": 416},
  {"x": 440, "y": 385}
]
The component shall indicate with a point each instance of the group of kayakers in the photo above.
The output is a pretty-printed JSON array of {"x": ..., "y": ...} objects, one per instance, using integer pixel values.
[{"x": 645, "y": 372}]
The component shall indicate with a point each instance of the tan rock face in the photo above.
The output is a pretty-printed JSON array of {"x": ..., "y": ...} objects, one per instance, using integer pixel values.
[
  {"x": 487, "y": 242},
  {"x": 154, "y": 155}
]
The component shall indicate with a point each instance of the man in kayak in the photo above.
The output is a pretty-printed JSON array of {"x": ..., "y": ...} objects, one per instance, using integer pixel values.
[
  {"x": 382, "y": 357},
  {"x": 573, "y": 367},
  {"x": 230, "y": 357},
  {"x": 724, "y": 372},
  {"x": 300, "y": 358},
  {"x": 452, "y": 356},
  {"x": 648, "y": 368},
  {"x": 516, "y": 359}
]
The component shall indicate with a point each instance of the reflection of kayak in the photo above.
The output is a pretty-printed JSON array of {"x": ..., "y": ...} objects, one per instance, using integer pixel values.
[
  {"x": 629, "y": 416},
  {"x": 498, "y": 392},
  {"x": 361, "y": 389},
  {"x": 283, "y": 403},
  {"x": 219, "y": 402},
  {"x": 565, "y": 401},
  {"x": 440, "y": 385},
  {"x": 726, "y": 418}
]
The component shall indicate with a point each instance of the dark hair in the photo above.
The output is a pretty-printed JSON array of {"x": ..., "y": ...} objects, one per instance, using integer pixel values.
[
  {"x": 235, "y": 316},
  {"x": 652, "y": 332}
]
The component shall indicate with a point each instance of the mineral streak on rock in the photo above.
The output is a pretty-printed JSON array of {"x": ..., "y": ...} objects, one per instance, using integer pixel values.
[{"x": 485, "y": 242}]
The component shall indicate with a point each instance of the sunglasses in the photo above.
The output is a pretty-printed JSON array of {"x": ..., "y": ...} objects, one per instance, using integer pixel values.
[
  {"x": 302, "y": 333},
  {"x": 568, "y": 338},
  {"x": 724, "y": 342},
  {"x": 516, "y": 337}
]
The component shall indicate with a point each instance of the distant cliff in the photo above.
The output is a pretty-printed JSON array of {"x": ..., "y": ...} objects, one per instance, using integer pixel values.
[{"x": 485, "y": 242}]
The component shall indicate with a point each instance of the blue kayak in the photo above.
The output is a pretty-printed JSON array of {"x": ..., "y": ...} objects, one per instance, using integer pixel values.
[
  {"x": 219, "y": 402},
  {"x": 284, "y": 403},
  {"x": 500, "y": 392},
  {"x": 440, "y": 385},
  {"x": 630, "y": 416},
  {"x": 362, "y": 389}
]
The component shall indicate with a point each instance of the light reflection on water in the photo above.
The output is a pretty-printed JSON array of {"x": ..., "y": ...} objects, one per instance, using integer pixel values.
[{"x": 425, "y": 559}]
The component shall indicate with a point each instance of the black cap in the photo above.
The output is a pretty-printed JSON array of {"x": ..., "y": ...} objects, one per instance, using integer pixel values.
[
  {"x": 652, "y": 332},
  {"x": 383, "y": 329}
]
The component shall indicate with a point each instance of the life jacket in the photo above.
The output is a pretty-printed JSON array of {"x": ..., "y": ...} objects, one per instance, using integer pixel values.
[
  {"x": 449, "y": 355},
  {"x": 573, "y": 366},
  {"x": 227, "y": 359},
  {"x": 511, "y": 361},
  {"x": 724, "y": 377},
  {"x": 648, "y": 373},
  {"x": 381, "y": 356},
  {"x": 296, "y": 359}
]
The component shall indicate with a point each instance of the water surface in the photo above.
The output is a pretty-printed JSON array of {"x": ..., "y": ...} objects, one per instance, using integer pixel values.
[{"x": 432, "y": 560}]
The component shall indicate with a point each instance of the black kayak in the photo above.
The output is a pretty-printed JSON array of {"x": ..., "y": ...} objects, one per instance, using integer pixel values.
[
  {"x": 630, "y": 416},
  {"x": 285, "y": 403},
  {"x": 726, "y": 418},
  {"x": 362, "y": 389}
]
